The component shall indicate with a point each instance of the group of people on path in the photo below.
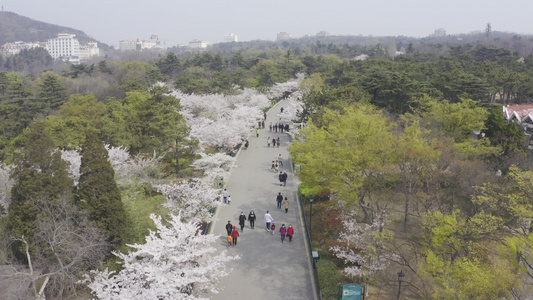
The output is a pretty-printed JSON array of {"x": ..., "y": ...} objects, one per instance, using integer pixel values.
[
  {"x": 283, "y": 231},
  {"x": 280, "y": 201},
  {"x": 278, "y": 127}
]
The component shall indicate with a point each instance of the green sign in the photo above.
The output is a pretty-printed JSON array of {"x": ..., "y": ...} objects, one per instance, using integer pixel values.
[{"x": 351, "y": 292}]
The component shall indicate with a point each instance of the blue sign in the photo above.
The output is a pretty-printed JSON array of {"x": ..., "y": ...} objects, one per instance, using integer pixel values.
[{"x": 351, "y": 292}]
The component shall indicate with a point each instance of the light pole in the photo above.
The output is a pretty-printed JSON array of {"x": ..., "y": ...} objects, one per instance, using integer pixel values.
[
  {"x": 311, "y": 199},
  {"x": 400, "y": 279}
]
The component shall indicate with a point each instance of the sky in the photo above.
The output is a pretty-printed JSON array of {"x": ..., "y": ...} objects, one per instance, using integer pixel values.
[{"x": 177, "y": 21}]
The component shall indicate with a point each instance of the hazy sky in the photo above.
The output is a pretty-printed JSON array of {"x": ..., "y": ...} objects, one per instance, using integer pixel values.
[{"x": 178, "y": 21}]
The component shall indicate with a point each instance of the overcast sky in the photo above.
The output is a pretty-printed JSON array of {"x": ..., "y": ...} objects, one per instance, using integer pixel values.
[{"x": 178, "y": 21}]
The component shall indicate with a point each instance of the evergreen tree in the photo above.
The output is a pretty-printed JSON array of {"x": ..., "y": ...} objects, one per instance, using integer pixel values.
[
  {"x": 40, "y": 175},
  {"x": 98, "y": 190}
]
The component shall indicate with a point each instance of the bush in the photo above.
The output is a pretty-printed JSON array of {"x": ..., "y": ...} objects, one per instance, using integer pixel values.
[{"x": 329, "y": 278}]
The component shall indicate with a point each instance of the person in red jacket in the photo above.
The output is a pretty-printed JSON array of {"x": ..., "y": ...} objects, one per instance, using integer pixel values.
[
  {"x": 235, "y": 235},
  {"x": 290, "y": 232}
]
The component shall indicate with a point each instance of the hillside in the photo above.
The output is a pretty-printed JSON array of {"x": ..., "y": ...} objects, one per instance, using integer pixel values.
[{"x": 14, "y": 27}]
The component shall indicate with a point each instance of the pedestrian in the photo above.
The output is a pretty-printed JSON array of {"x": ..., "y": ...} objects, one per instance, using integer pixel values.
[
  {"x": 229, "y": 239},
  {"x": 229, "y": 199},
  {"x": 273, "y": 142},
  {"x": 234, "y": 235},
  {"x": 290, "y": 232},
  {"x": 229, "y": 227},
  {"x": 242, "y": 220},
  {"x": 280, "y": 160},
  {"x": 286, "y": 204},
  {"x": 280, "y": 177},
  {"x": 281, "y": 110},
  {"x": 273, "y": 227},
  {"x": 276, "y": 127},
  {"x": 268, "y": 220},
  {"x": 265, "y": 114},
  {"x": 282, "y": 232},
  {"x": 278, "y": 141},
  {"x": 270, "y": 127},
  {"x": 280, "y": 128},
  {"x": 277, "y": 166},
  {"x": 251, "y": 219},
  {"x": 268, "y": 141},
  {"x": 257, "y": 132},
  {"x": 259, "y": 124},
  {"x": 225, "y": 195},
  {"x": 273, "y": 168},
  {"x": 285, "y": 178},
  {"x": 279, "y": 199},
  {"x": 263, "y": 124}
]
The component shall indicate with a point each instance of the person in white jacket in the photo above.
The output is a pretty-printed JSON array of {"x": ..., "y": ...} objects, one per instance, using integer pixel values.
[{"x": 268, "y": 220}]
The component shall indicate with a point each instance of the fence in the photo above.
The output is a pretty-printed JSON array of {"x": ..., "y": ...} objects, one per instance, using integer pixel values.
[{"x": 307, "y": 229}]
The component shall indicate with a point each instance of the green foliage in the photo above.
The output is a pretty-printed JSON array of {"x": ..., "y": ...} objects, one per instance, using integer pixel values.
[
  {"x": 51, "y": 90},
  {"x": 97, "y": 190},
  {"x": 330, "y": 278},
  {"x": 40, "y": 175}
]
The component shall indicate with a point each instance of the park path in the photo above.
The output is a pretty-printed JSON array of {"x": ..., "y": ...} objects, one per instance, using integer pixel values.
[{"x": 267, "y": 269}]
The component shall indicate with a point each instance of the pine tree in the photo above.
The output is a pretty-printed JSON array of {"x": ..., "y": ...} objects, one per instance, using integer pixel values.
[
  {"x": 98, "y": 190},
  {"x": 40, "y": 175}
]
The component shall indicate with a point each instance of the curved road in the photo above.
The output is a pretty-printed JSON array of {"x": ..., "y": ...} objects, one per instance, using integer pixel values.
[{"x": 268, "y": 269}]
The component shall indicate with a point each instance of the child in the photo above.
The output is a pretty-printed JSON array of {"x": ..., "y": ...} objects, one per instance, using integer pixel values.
[
  {"x": 273, "y": 168},
  {"x": 230, "y": 239},
  {"x": 229, "y": 199},
  {"x": 273, "y": 227}
]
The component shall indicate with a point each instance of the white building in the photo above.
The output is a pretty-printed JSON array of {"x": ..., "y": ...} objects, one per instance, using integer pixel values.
[
  {"x": 139, "y": 45},
  {"x": 89, "y": 50},
  {"x": 228, "y": 38},
  {"x": 283, "y": 36},
  {"x": 197, "y": 44},
  {"x": 65, "y": 47},
  {"x": 16, "y": 47}
]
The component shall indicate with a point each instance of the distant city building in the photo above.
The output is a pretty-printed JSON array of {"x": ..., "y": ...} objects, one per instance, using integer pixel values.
[
  {"x": 228, "y": 38},
  {"x": 322, "y": 33},
  {"x": 139, "y": 45},
  {"x": 283, "y": 36},
  {"x": 65, "y": 47},
  {"x": 197, "y": 44},
  {"x": 89, "y": 50},
  {"x": 440, "y": 32},
  {"x": 16, "y": 47}
]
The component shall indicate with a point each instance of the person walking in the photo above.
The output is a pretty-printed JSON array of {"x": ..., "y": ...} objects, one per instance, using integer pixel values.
[
  {"x": 268, "y": 141},
  {"x": 273, "y": 143},
  {"x": 280, "y": 178},
  {"x": 273, "y": 226},
  {"x": 279, "y": 199},
  {"x": 285, "y": 178},
  {"x": 263, "y": 124},
  {"x": 273, "y": 168},
  {"x": 290, "y": 232},
  {"x": 278, "y": 141},
  {"x": 242, "y": 220},
  {"x": 275, "y": 127},
  {"x": 268, "y": 220},
  {"x": 280, "y": 160},
  {"x": 286, "y": 204},
  {"x": 270, "y": 127},
  {"x": 234, "y": 235},
  {"x": 282, "y": 232},
  {"x": 229, "y": 228},
  {"x": 257, "y": 132},
  {"x": 225, "y": 195},
  {"x": 251, "y": 219}
]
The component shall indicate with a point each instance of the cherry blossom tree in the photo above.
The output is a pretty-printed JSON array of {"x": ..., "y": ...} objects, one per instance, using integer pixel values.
[
  {"x": 362, "y": 247},
  {"x": 127, "y": 169},
  {"x": 192, "y": 199},
  {"x": 278, "y": 89},
  {"x": 176, "y": 262}
]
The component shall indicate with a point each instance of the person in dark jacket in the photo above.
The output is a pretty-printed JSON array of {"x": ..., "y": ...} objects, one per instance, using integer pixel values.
[
  {"x": 242, "y": 220},
  {"x": 229, "y": 227},
  {"x": 279, "y": 199},
  {"x": 280, "y": 177},
  {"x": 251, "y": 219}
]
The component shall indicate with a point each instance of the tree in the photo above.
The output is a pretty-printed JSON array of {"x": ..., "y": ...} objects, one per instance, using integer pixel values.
[
  {"x": 97, "y": 190},
  {"x": 176, "y": 262},
  {"x": 349, "y": 155},
  {"x": 52, "y": 91},
  {"x": 39, "y": 173}
]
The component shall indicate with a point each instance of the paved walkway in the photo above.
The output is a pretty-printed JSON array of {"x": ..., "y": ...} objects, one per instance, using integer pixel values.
[{"x": 268, "y": 269}]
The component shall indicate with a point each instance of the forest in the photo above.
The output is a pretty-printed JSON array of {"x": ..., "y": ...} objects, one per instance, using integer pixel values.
[{"x": 408, "y": 157}]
